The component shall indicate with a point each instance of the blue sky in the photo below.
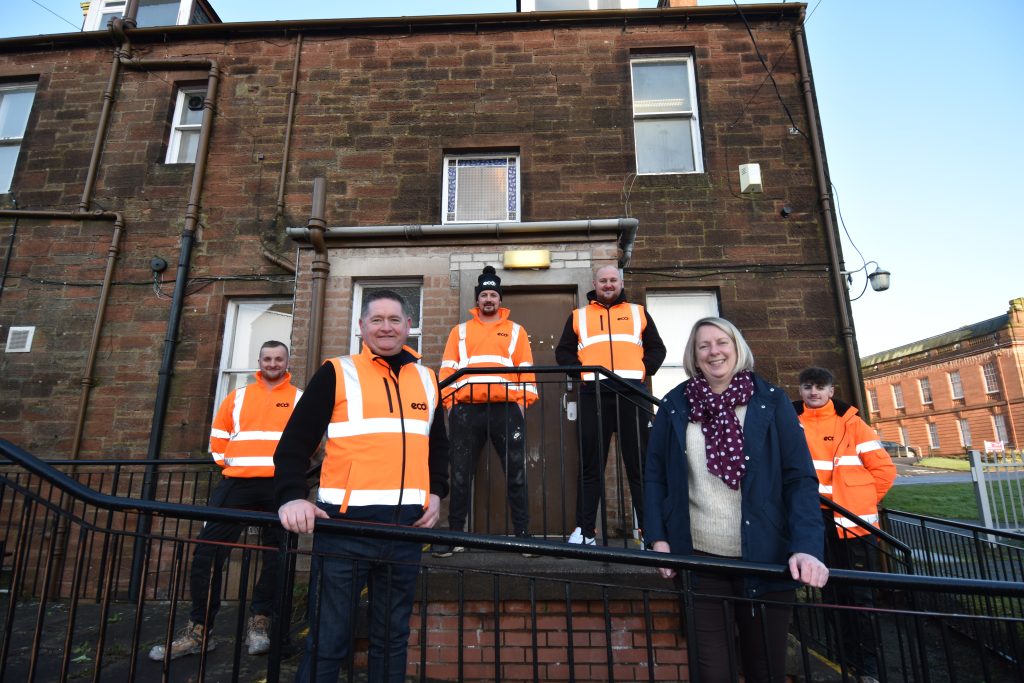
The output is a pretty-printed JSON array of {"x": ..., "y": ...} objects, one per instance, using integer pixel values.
[{"x": 920, "y": 104}]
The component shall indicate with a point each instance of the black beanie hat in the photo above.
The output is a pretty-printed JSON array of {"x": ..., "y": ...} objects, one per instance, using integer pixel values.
[{"x": 488, "y": 280}]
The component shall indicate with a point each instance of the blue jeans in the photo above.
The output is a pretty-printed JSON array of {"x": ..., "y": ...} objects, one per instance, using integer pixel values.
[{"x": 341, "y": 567}]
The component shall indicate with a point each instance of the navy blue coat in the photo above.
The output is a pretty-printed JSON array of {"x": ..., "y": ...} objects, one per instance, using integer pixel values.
[{"x": 780, "y": 509}]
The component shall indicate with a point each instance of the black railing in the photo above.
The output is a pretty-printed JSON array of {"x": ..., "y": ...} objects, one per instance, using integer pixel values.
[{"x": 577, "y": 613}]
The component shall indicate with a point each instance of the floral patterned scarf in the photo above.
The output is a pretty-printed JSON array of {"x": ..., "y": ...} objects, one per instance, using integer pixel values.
[{"x": 723, "y": 433}]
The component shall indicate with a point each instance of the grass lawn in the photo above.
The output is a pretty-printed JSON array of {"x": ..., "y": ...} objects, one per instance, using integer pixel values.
[
  {"x": 951, "y": 501},
  {"x": 959, "y": 464}
]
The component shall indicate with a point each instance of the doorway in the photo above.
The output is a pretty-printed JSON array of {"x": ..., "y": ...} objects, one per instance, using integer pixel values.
[{"x": 552, "y": 449}]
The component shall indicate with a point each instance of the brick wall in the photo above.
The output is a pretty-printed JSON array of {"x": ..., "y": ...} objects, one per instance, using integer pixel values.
[{"x": 376, "y": 112}]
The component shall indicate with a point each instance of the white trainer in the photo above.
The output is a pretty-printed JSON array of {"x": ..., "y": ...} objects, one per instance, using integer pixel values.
[{"x": 578, "y": 538}]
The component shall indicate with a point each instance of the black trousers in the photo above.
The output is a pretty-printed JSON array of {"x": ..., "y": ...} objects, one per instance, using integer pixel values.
[
  {"x": 255, "y": 493},
  {"x": 854, "y": 628},
  {"x": 471, "y": 425},
  {"x": 622, "y": 417}
]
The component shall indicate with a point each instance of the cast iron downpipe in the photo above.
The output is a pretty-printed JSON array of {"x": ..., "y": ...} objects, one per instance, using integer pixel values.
[
  {"x": 831, "y": 234},
  {"x": 289, "y": 123},
  {"x": 320, "y": 268}
]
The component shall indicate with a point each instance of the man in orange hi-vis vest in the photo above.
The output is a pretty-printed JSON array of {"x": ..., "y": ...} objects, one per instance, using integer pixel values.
[
  {"x": 856, "y": 472},
  {"x": 488, "y": 406},
  {"x": 245, "y": 433},
  {"x": 620, "y": 336},
  {"x": 386, "y": 462}
]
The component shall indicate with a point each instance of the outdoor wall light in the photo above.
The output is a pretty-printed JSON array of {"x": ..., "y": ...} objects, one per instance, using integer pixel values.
[{"x": 878, "y": 279}]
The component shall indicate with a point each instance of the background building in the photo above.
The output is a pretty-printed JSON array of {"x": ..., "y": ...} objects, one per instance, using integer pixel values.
[{"x": 951, "y": 393}]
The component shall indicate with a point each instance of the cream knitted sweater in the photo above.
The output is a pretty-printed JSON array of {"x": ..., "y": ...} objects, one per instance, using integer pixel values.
[{"x": 715, "y": 513}]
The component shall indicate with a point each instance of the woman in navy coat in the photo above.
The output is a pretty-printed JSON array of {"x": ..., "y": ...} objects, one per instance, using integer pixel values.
[{"x": 728, "y": 475}]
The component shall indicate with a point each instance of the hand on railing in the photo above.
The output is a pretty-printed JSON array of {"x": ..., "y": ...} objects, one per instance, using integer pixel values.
[
  {"x": 663, "y": 547},
  {"x": 808, "y": 569},
  {"x": 299, "y": 516}
]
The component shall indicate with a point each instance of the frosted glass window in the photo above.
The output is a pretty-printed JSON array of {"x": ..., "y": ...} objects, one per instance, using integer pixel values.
[
  {"x": 675, "y": 312},
  {"x": 481, "y": 189}
]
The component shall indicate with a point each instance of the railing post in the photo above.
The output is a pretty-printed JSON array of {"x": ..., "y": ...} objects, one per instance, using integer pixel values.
[{"x": 981, "y": 490}]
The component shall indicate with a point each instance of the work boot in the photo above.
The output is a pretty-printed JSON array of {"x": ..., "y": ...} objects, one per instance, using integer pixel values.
[
  {"x": 257, "y": 634},
  {"x": 188, "y": 642}
]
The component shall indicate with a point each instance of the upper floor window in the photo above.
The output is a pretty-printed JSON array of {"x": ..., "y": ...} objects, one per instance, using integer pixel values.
[
  {"x": 965, "y": 431},
  {"x": 186, "y": 125},
  {"x": 955, "y": 386},
  {"x": 933, "y": 435},
  {"x": 926, "y": 390},
  {"x": 481, "y": 188},
  {"x": 683, "y": 308},
  {"x": 249, "y": 324},
  {"x": 873, "y": 400},
  {"x": 991, "y": 375},
  {"x": 151, "y": 13},
  {"x": 666, "y": 126},
  {"x": 15, "y": 106},
  {"x": 897, "y": 396},
  {"x": 410, "y": 290}
]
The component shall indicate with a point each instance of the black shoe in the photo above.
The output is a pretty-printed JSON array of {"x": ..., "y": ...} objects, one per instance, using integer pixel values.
[{"x": 525, "y": 536}]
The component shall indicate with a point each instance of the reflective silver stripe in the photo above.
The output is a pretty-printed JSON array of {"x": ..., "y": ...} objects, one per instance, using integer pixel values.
[
  {"x": 849, "y": 461},
  {"x": 636, "y": 323},
  {"x": 430, "y": 389},
  {"x": 217, "y": 457},
  {"x": 219, "y": 434},
  {"x": 257, "y": 436},
  {"x": 377, "y": 425},
  {"x": 849, "y": 523},
  {"x": 250, "y": 461},
  {"x": 625, "y": 374},
  {"x": 581, "y": 325},
  {"x": 236, "y": 411},
  {"x": 823, "y": 465},
  {"x": 449, "y": 364},
  {"x": 463, "y": 353},
  {"x": 353, "y": 394},
  {"x": 513, "y": 340},
  {"x": 374, "y": 497},
  {"x": 869, "y": 446},
  {"x": 488, "y": 361},
  {"x": 601, "y": 338},
  {"x": 823, "y": 489}
]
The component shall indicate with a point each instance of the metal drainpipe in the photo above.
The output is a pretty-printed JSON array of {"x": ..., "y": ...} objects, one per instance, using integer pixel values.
[
  {"x": 10, "y": 248},
  {"x": 101, "y": 132},
  {"x": 825, "y": 200},
  {"x": 292, "y": 96},
  {"x": 178, "y": 298},
  {"x": 320, "y": 268}
]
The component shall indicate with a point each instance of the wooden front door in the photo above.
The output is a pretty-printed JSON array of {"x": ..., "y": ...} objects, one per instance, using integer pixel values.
[{"x": 551, "y": 444}]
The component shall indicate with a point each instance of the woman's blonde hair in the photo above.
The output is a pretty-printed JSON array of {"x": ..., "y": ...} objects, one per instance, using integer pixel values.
[{"x": 744, "y": 356}]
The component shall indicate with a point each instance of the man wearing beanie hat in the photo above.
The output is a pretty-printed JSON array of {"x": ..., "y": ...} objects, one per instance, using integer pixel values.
[{"x": 487, "y": 404}]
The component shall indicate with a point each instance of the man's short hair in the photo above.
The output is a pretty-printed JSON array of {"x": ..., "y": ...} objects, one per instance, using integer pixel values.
[
  {"x": 819, "y": 377},
  {"x": 274, "y": 344},
  {"x": 377, "y": 295}
]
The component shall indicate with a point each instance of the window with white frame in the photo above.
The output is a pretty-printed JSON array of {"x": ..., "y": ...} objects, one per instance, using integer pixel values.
[
  {"x": 410, "y": 290},
  {"x": 481, "y": 188},
  {"x": 965, "y": 431},
  {"x": 926, "y": 390},
  {"x": 186, "y": 125},
  {"x": 679, "y": 310},
  {"x": 15, "y": 106},
  {"x": 999, "y": 425},
  {"x": 666, "y": 126},
  {"x": 249, "y": 324},
  {"x": 933, "y": 435},
  {"x": 151, "y": 13},
  {"x": 955, "y": 386},
  {"x": 904, "y": 436},
  {"x": 991, "y": 375},
  {"x": 873, "y": 400},
  {"x": 897, "y": 396}
]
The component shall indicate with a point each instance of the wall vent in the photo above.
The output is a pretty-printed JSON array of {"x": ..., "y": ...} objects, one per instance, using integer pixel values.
[{"x": 19, "y": 339}]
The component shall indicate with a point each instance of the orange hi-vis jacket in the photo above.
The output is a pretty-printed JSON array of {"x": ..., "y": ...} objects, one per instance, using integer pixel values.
[
  {"x": 379, "y": 433},
  {"x": 248, "y": 426},
  {"x": 476, "y": 344},
  {"x": 612, "y": 337},
  {"x": 853, "y": 468}
]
